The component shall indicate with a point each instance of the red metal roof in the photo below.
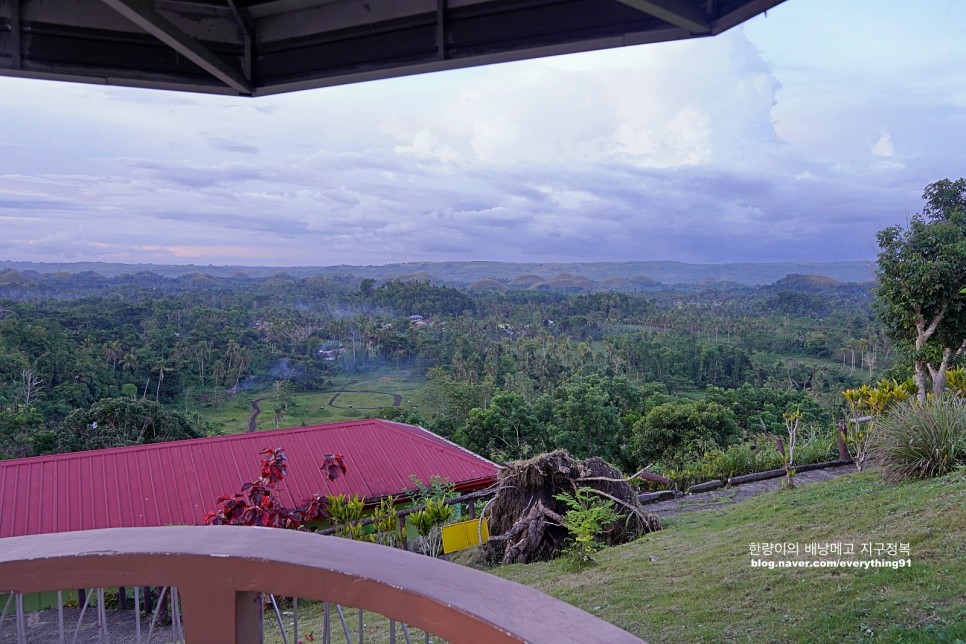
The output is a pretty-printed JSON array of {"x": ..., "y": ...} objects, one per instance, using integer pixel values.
[{"x": 176, "y": 483}]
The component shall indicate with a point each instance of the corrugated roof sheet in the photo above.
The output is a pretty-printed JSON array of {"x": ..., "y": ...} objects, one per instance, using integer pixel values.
[{"x": 176, "y": 483}]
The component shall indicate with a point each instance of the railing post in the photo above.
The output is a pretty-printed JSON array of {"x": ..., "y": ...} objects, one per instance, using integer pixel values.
[{"x": 216, "y": 615}]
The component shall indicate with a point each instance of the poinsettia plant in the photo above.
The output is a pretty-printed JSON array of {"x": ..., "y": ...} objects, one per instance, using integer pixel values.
[{"x": 258, "y": 502}]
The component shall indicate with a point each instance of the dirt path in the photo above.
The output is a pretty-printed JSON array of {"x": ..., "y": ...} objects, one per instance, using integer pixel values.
[
  {"x": 256, "y": 410},
  {"x": 727, "y": 496}
]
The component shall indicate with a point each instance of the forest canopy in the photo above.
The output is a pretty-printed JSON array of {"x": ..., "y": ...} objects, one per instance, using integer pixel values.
[{"x": 508, "y": 373}]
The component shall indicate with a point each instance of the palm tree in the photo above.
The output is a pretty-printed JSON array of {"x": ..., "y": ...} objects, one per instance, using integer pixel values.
[
  {"x": 113, "y": 352},
  {"x": 129, "y": 362},
  {"x": 202, "y": 354},
  {"x": 161, "y": 368}
]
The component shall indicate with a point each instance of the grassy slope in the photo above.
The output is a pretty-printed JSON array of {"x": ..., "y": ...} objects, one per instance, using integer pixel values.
[{"x": 701, "y": 588}]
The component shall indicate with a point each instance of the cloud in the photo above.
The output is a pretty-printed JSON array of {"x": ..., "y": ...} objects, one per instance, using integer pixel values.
[
  {"x": 229, "y": 145},
  {"x": 758, "y": 144},
  {"x": 193, "y": 175},
  {"x": 635, "y": 108},
  {"x": 883, "y": 147},
  {"x": 426, "y": 145},
  {"x": 23, "y": 204}
]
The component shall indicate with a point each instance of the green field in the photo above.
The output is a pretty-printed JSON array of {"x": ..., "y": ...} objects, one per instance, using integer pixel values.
[
  {"x": 346, "y": 398},
  {"x": 693, "y": 581}
]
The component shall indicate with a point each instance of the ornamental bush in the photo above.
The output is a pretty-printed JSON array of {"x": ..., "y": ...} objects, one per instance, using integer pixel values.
[{"x": 922, "y": 439}]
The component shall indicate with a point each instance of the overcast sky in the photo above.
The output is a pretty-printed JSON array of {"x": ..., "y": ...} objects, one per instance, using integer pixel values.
[{"x": 793, "y": 137}]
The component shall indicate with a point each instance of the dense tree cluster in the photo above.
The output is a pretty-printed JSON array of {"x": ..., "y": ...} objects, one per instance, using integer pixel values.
[{"x": 508, "y": 374}]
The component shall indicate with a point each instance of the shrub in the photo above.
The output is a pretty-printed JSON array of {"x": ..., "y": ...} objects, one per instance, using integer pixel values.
[
  {"x": 922, "y": 439},
  {"x": 385, "y": 523},
  {"x": 956, "y": 381},
  {"x": 585, "y": 519},
  {"x": 868, "y": 404},
  {"x": 671, "y": 431},
  {"x": 685, "y": 477},
  {"x": 346, "y": 512},
  {"x": 756, "y": 454},
  {"x": 428, "y": 524},
  {"x": 815, "y": 446}
]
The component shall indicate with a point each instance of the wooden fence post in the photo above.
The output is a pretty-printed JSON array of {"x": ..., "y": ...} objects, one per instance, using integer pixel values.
[{"x": 843, "y": 448}]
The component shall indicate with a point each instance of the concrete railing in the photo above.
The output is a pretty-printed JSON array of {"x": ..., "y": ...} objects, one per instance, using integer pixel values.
[{"x": 221, "y": 572}]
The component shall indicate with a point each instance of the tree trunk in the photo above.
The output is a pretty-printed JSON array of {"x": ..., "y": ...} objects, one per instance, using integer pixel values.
[
  {"x": 923, "y": 333},
  {"x": 938, "y": 375},
  {"x": 921, "y": 380}
]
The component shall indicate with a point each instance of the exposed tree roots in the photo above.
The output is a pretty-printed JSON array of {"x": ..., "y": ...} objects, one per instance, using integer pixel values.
[{"x": 527, "y": 520}]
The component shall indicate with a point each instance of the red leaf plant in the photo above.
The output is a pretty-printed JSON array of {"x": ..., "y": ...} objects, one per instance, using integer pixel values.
[
  {"x": 332, "y": 466},
  {"x": 258, "y": 504}
]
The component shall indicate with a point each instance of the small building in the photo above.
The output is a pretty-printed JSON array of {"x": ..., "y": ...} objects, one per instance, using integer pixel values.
[{"x": 331, "y": 355}]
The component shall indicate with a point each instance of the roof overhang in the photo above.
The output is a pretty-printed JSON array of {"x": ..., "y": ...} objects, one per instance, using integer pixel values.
[{"x": 263, "y": 47}]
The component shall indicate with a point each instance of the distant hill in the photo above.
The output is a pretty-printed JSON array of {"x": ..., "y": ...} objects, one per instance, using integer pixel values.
[
  {"x": 644, "y": 280},
  {"x": 618, "y": 284},
  {"x": 11, "y": 276},
  {"x": 487, "y": 285},
  {"x": 415, "y": 276},
  {"x": 526, "y": 280},
  {"x": 807, "y": 283},
  {"x": 645, "y": 274}
]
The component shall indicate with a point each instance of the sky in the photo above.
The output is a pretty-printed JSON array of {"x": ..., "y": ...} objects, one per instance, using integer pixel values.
[{"x": 794, "y": 137}]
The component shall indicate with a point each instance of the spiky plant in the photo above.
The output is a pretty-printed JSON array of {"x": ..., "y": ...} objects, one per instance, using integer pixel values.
[{"x": 922, "y": 439}]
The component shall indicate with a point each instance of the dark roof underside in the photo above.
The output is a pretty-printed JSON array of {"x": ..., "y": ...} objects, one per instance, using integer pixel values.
[{"x": 261, "y": 47}]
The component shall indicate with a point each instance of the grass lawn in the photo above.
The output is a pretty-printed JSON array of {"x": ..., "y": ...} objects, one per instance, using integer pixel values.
[
  {"x": 355, "y": 397},
  {"x": 376, "y": 628},
  {"x": 693, "y": 582}
]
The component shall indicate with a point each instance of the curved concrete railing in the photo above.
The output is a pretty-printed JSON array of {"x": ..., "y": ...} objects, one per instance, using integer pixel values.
[{"x": 220, "y": 571}]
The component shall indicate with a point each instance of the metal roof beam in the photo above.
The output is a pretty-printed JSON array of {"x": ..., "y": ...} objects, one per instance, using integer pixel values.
[
  {"x": 680, "y": 13},
  {"x": 246, "y": 29},
  {"x": 144, "y": 16},
  {"x": 16, "y": 31},
  {"x": 441, "y": 29}
]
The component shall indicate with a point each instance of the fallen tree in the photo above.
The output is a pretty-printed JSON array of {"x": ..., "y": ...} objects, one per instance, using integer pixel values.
[{"x": 527, "y": 519}]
